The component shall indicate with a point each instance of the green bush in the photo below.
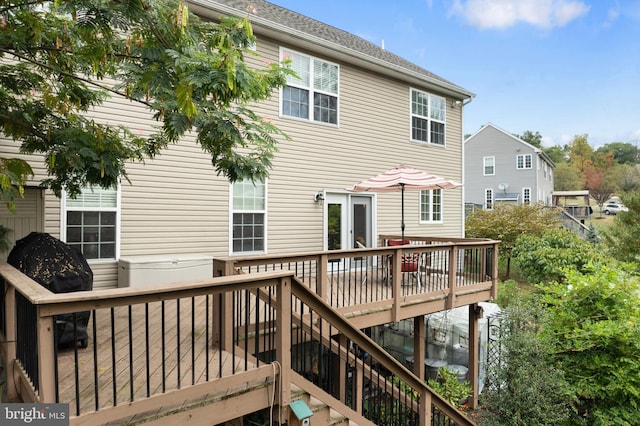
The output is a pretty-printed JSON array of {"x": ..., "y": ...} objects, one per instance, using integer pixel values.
[{"x": 548, "y": 257}]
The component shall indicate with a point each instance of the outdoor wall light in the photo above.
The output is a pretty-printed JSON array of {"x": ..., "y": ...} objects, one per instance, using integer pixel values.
[
  {"x": 319, "y": 196},
  {"x": 455, "y": 103}
]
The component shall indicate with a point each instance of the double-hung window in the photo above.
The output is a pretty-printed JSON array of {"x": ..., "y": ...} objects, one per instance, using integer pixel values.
[
  {"x": 524, "y": 161},
  {"x": 526, "y": 196},
  {"x": 427, "y": 117},
  {"x": 313, "y": 93},
  {"x": 248, "y": 216},
  {"x": 489, "y": 166},
  {"x": 431, "y": 205},
  {"x": 90, "y": 222}
]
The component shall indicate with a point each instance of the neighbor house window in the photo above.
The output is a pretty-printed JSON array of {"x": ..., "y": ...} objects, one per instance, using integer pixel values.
[
  {"x": 431, "y": 205},
  {"x": 488, "y": 199},
  {"x": 523, "y": 161},
  {"x": 489, "y": 166},
  {"x": 90, "y": 222},
  {"x": 248, "y": 217},
  {"x": 526, "y": 195},
  {"x": 427, "y": 117},
  {"x": 313, "y": 93}
]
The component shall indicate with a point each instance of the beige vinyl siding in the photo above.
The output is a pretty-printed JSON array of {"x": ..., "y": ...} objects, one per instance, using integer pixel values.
[{"x": 177, "y": 204}]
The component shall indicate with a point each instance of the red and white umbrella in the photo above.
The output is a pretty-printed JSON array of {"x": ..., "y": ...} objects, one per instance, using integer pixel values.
[{"x": 401, "y": 178}]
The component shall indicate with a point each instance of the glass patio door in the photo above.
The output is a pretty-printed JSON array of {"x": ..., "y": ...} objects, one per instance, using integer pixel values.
[{"x": 349, "y": 220}]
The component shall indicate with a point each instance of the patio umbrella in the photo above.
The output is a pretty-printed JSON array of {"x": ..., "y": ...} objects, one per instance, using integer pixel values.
[{"x": 401, "y": 178}]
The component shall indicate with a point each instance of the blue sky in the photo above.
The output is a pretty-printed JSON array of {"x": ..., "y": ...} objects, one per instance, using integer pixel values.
[{"x": 559, "y": 67}]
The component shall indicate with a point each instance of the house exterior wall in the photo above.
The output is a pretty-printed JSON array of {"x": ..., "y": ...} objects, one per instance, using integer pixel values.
[
  {"x": 491, "y": 141},
  {"x": 176, "y": 204}
]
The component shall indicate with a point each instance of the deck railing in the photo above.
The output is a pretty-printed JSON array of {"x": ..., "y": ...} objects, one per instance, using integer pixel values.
[
  {"x": 169, "y": 345},
  {"x": 451, "y": 273}
]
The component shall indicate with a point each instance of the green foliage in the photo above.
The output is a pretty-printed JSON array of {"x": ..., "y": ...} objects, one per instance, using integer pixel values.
[
  {"x": 507, "y": 222},
  {"x": 548, "y": 257},
  {"x": 567, "y": 178},
  {"x": 621, "y": 238},
  {"x": 63, "y": 58},
  {"x": 511, "y": 292},
  {"x": 524, "y": 388},
  {"x": 592, "y": 235},
  {"x": 594, "y": 336},
  {"x": 532, "y": 138},
  {"x": 450, "y": 388},
  {"x": 623, "y": 152},
  {"x": 13, "y": 177}
]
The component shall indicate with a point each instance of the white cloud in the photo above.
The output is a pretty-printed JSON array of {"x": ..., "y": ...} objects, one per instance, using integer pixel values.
[
  {"x": 612, "y": 17},
  {"x": 500, "y": 14}
]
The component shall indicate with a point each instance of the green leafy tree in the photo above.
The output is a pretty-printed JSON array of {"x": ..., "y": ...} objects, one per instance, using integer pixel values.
[
  {"x": 548, "y": 256},
  {"x": 566, "y": 178},
  {"x": 507, "y": 222},
  {"x": 594, "y": 335},
  {"x": 523, "y": 387},
  {"x": 532, "y": 138},
  {"x": 623, "y": 152},
  {"x": 580, "y": 153},
  {"x": 557, "y": 154},
  {"x": 626, "y": 177},
  {"x": 621, "y": 237},
  {"x": 60, "y": 59}
]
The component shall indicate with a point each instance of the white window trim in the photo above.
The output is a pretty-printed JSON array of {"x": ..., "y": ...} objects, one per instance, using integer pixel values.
[
  {"x": 484, "y": 165},
  {"x": 311, "y": 89},
  {"x": 493, "y": 199},
  {"x": 117, "y": 209},
  {"x": 428, "y": 142},
  {"x": 431, "y": 207},
  {"x": 524, "y": 162},
  {"x": 266, "y": 227}
]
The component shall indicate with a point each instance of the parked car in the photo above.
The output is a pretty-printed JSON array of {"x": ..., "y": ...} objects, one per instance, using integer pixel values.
[{"x": 614, "y": 208}]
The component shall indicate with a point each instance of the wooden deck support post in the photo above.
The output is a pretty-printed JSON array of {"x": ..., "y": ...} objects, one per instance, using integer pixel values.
[
  {"x": 221, "y": 318},
  {"x": 396, "y": 283},
  {"x": 425, "y": 409},
  {"x": 46, "y": 360},
  {"x": 419, "y": 345},
  {"x": 10, "y": 340},
  {"x": 283, "y": 344},
  {"x": 494, "y": 276},
  {"x": 475, "y": 313},
  {"x": 323, "y": 277}
]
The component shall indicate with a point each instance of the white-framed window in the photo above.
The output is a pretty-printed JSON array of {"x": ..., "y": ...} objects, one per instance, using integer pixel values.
[
  {"x": 431, "y": 205},
  {"x": 489, "y": 166},
  {"x": 248, "y": 217},
  {"x": 313, "y": 94},
  {"x": 524, "y": 161},
  {"x": 90, "y": 222},
  {"x": 488, "y": 199},
  {"x": 428, "y": 117},
  {"x": 526, "y": 195}
]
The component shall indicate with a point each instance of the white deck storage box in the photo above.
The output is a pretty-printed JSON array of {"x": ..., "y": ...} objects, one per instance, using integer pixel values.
[{"x": 134, "y": 271}]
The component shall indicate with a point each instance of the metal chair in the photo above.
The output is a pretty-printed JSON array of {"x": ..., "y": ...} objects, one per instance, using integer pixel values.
[{"x": 411, "y": 262}]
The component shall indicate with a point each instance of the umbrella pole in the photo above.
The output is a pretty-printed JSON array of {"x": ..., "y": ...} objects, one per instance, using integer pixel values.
[{"x": 402, "y": 223}]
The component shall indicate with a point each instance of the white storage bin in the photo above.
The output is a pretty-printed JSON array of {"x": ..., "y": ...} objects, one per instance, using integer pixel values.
[{"x": 134, "y": 271}]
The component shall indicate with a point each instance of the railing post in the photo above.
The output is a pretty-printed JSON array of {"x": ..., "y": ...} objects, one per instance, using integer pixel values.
[
  {"x": 494, "y": 275},
  {"x": 46, "y": 359},
  {"x": 419, "y": 344},
  {"x": 396, "y": 283},
  {"x": 342, "y": 367},
  {"x": 283, "y": 342},
  {"x": 221, "y": 318},
  {"x": 323, "y": 277},
  {"x": 453, "y": 262},
  {"x": 475, "y": 312},
  {"x": 10, "y": 336},
  {"x": 425, "y": 408}
]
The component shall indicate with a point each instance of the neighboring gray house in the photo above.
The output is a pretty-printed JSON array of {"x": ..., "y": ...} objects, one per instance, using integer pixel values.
[{"x": 500, "y": 167}]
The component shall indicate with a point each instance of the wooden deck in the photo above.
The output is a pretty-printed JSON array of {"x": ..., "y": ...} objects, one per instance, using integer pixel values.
[{"x": 141, "y": 358}]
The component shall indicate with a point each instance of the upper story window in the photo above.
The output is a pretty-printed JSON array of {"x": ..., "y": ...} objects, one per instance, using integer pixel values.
[
  {"x": 524, "y": 161},
  {"x": 90, "y": 222},
  {"x": 488, "y": 199},
  {"x": 427, "y": 117},
  {"x": 313, "y": 94},
  {"x": 489, "y": 166},
  {"x": 431, "y": 205},
  {"x": 249, "y": 211}
]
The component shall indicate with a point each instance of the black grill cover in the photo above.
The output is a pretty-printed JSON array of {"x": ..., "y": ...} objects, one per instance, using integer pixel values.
[{"x": 61, "y": 269}]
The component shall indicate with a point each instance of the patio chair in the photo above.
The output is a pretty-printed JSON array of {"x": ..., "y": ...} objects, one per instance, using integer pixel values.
[{"x": 411, "y": 262}]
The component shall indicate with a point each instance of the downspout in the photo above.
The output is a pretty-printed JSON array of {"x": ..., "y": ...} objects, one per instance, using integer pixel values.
[{"x": 464, "y": 103}]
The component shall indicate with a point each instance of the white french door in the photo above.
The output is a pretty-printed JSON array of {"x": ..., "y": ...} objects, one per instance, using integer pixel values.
[{"x": 348, "y": 220}]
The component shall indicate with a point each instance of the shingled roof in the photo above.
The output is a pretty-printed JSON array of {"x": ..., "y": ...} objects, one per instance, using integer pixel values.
[{"x": 276, "y": 19}]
